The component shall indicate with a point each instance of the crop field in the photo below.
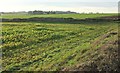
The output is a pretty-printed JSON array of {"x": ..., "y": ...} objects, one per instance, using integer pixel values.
[
  {"x": 76, "y": 16},
  {"x": 32, "y": 46}
]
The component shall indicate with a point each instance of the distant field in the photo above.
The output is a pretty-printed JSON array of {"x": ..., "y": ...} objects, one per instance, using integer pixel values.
[
  {"x": 47, "y": 46},
  {"x": 76, "y": 16}
]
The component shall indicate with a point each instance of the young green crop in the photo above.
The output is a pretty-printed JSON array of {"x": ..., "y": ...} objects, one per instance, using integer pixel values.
[{"x": 49, "y": 46}]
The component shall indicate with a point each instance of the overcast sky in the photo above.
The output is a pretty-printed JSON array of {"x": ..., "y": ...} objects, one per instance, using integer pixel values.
[{"x": 104, "y": 6}]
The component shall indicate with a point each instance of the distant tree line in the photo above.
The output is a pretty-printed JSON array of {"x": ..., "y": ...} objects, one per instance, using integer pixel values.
[
  {"x": 47, "y": 12},
  {"x": 51, "y": 12}
]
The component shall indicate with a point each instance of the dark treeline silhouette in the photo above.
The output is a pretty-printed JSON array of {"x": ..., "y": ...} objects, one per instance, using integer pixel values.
[{"x": 51, "y": 12}]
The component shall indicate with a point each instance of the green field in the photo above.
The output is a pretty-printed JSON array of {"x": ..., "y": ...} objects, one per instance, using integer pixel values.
[
  {"x": 31, "y": 46},
  {"x": 76, "y": 16},
  {"x": 38, "y": 46}
]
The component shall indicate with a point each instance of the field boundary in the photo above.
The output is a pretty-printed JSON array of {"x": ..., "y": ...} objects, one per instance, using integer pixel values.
[{"x": 65, "y": 20}]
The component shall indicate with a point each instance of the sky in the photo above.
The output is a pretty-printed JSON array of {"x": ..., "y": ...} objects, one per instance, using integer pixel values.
[{"x": 102, "y": 6}]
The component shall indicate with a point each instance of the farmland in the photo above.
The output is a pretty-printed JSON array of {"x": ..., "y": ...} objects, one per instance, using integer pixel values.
[
  {"x": 76, "y": 16},
  {"x": 33, "y": 46}
]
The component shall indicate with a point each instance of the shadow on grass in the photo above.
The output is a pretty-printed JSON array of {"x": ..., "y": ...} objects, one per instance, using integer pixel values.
[{"x": 65, "y": 20}]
